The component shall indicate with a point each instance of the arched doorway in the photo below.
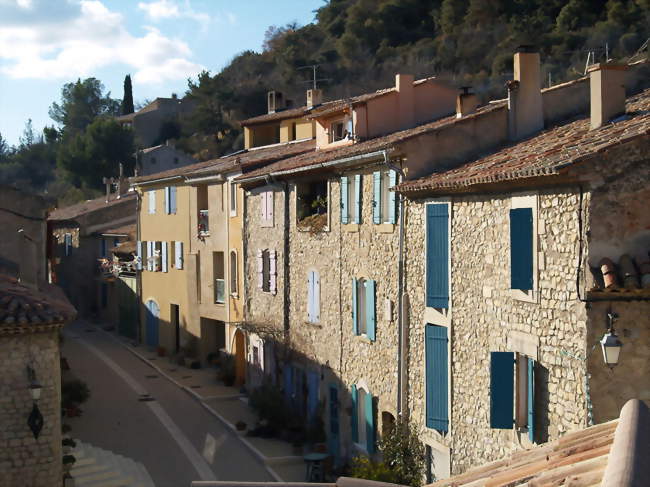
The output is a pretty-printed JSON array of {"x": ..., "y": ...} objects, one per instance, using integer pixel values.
[
  {"x": 240, "y": 358},
  {"x": 153, "y": 312}
]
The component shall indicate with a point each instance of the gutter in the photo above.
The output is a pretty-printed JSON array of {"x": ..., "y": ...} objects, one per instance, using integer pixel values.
[
  {"x": 214, "y": 178},
  {"x": 155, "y": 181}
]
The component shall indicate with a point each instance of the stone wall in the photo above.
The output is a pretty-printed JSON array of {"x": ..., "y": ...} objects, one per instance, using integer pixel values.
[{"x": 24, "y": 460}]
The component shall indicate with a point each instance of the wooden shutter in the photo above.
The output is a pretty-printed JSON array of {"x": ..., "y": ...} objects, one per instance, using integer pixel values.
[
  {"x": 392, "y": 203},
  {"x": 436, "y": 357},
  {"x": 138, "y": 250},
  {"x": 310, "y": 296},
  {"x": 172, "y": 204},
  {"x": 357, "y": 198},
  {"x": 370, "y": 424},
  {"x": 521, "y": 249},
  {"x": 178, "y": 255},
  {"x": 354, "y": 417},
  {"x": 438, "y": 256},
  {"x": 376, "y": 197},
  {"x": 273, "y": 272},
  {"x": 355, "y": 314},
  {"x": 260, "y": 269},
  {"x": 163, "y": 257},
  {"x": 531, "y": 400},
  {"x": 501, "y": 389},
  {"x": 371, "y": 318},
  {"x": 345, "y": 211},
  {"x": 152, "y": 201}
]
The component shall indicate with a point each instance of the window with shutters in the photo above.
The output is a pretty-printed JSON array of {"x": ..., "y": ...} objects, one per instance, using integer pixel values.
[
  {"x": 437, "y": 257},
  {"x": 178, "y": 255},
  {"x": 364, "y": 308},
  {"x": 267, "y": 270},
  {"x": 337, "y": 131},
  {"x": 233, "y": 197},
  {"x": 266, "y": 207},
  {"x": 384, "y": 201},
  {"x": 313, "y": 297},
  {"x": 203, "y": 213},
  {"x": 67, "y": 239},
  {"x": 437, "y": 377},
  {"x": 170, "y": 200},
  {"x": 351, "y": 188},
  {"x": 523, "y": 247},
  {"x": 218, "y": 273},
  {"x": 152, "y": 201},
  {"x": 363, "y": 418},
  {"x": 234, "y": 273}
]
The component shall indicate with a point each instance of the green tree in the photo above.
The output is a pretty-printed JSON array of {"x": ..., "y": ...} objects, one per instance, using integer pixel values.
[
  {"x": 127, "y": 101},
  {"x": 27, "y": 138}
]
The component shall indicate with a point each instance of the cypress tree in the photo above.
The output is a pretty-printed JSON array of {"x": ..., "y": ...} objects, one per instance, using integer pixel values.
[{"x": 127, "y": 101}]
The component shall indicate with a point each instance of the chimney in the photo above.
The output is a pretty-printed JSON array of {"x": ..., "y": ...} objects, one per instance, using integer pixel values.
[
  {"x": 406, "y": 100},
  {"x": 122, "y": 183},
  {"x": 274, "y": 101},
  {"x": 314, "y": 97},
  {"x": 466, "y": 102},
  {"x": 607, "y": 87},
  {"x": 525, "y": 95}
]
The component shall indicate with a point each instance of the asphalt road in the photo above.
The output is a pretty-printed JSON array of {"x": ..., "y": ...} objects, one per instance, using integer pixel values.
[{"x": 173, "y": 435}]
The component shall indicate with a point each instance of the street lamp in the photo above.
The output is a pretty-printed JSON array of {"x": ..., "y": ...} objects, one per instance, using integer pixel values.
[
  {"x": 35, "y": 419},
  {"x": 610, "y": 343}
]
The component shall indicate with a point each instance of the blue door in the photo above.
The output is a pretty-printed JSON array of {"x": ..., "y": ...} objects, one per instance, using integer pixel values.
[
  {"x": 152, "y": 323},
  {"x": 333, "y": 442}
]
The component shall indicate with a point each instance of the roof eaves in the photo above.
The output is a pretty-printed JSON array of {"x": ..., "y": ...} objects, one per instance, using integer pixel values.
[{"x": 149, "y": 182}]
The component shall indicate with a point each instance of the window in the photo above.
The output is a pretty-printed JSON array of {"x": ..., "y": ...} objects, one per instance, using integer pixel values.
[
  {"x": 313, "y": 297},
  {"x": 351, "y": 199},
  {"x": 437, "y": 256},
  {"x": 337, "y": 131},
  {"x": 363, "y": 308},
  {"x": 202, "y": 207},
  {"x": 293, "y": 131},
  {"x": 436, "y": 372},
  {"x": 218, "y": 274},
  {"x": 363, "y": 418},
  {"x": 67, "y": 239},
  {"x": 155, "y": 256},
  {"x": 233, "y": 198},
  {"x": 512, "y": 378},
  {"x": 152, "y": 201},
  {"x": 384, "y": 207},
  {"x": 266, "y": 204},
  {"x": 267, "y": 271},
  {"x": 170, "y": 200},
  {"x": 312, "y": 205},
  {"x": 233, "y": 272}
]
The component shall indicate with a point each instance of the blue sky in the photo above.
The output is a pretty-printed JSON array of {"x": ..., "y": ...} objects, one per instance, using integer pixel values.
[{"x": 46, "y": 43}]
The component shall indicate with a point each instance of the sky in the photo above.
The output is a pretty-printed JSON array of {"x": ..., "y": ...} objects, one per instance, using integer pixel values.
[{"x": 160, "y": 43}]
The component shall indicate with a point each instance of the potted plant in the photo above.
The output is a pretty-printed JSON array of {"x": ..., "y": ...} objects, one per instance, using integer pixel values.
[
  {"x": 68, "y": 444},
  {"x": 68, "y": 462}
]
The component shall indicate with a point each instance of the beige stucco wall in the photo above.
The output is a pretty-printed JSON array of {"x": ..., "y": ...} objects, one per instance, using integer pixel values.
[{"x": 305, "y": 129}]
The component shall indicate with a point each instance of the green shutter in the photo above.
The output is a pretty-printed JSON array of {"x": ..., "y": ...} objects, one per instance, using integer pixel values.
[
  {"x": 345, "y": 211},
  {"x": 355, "y": 323},
  {"x": 531, "y": 400},
  {"x": 436, "y": 358},
  {"x": 371, "y": 318},
  {"x": 501, "y": 389},
  {"x": 521, "y": 249},
  {"x": 357, "y": 198},
  {"x": 376, "y": 197},
  {"x": 354, "y": 417},
  {"x": 370, "y": 424},
  {"x": 392, "y": 204}
]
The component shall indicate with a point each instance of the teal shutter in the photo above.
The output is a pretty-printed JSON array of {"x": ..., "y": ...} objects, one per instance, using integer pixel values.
[
  {"x": 438, "y": 255},
  {"x": 172, "y": 204},
  {"x": 531, "y": 400},
  {"x": 370, "y": 424},
  {"x": 501, "y": 389},
  {"x": 355, "y": 323},
  {"x": 354, "y": 417},
  {"x": 436, "y": 356},
  {"x": 357, "y": 198},
  {"x": 345, "y": 211},
  {"x": 392, "y": 206},
  {"x": 376, "y": 197},
  {"x": 521, "y": 249},
  {"x": 371, "y": 318}
]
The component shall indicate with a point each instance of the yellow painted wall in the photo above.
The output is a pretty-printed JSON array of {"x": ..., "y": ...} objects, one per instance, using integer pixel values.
[
  {"x": 265, "y": 134},
  {"x": 236, "y": 243},
  {"x": 305, "y": 129}
]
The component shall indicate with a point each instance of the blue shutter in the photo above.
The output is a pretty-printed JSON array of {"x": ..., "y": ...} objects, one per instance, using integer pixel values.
[
  {"x": 531, "y": 400},
  {"x": 437, "y": 363},
  {"x": 313, "y": 381},
  {"x": 355, "y": 323},
  {"x": 345, "y": 211},
  {"x": 438, "y": 256},
  {"x": 172, "y": 204},
  {"x": 392, "y": 207},
  {"x": 370, "y": 310},
  {"x": 376, "y": 197},
  {"x": 288, "y": 382},
  {"x": 354, "y": 417},
  {"x": 501, "y": 389},
  {"x": 370, "y": 425},
  {"x": 521, "y": 248},
  {"x": 357, "y": 198},
  {"x": 138, "y": 248}
]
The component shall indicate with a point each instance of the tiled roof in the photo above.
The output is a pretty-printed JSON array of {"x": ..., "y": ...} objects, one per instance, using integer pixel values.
[
  {"x": 127, "y": 248},
  {"x": 367, "y": 146},
  {"x": 76, "y": 210},
  {"x": 276, "y": 116},
  {"x": 623, "y": 279},
  {"x": 244, "y": 159},
  {"x": 128, "y": 230},
  {"x": 544, "y": 154},
  {"x": 23, "y": 309}
]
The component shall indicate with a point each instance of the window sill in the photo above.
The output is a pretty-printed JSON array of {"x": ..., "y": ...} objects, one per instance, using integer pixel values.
[
  {"x": 304, "y": 229},
  {"x": 220, "y": 303},
  {"x": 351, "y": 227},
  {"x": 315, "y": 325},
  {"x": 364, "y": 338},
  {"x": 385, "y": 228},
  {"x": 525, "y": 296},
  {"x": 203, "y": 234}
]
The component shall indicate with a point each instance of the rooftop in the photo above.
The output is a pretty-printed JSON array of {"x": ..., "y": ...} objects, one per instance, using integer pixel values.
[
  {"x": 74, "y": 211},
  {"x": 548, "y": 153},
  {"x": 128, "y": 230}
]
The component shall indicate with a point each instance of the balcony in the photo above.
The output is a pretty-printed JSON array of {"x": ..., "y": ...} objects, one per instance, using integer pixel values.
[
  {"x": 204, "y": 223},
  {"x": 219, "y": 291}
]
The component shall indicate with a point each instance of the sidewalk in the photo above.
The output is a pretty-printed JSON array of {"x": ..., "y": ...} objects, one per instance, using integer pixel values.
[{"x": 227, "y": 404}]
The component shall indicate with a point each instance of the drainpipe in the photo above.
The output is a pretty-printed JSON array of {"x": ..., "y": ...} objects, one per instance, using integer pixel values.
[
  {"x": 401, "y": 310},
  {"x": 138, "y": 274}
]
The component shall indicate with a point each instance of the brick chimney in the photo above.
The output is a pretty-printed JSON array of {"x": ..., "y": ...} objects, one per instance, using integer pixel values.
[
  {"x": 466, "y": 102},
  {"x": 525, "y": 96},
  {"x": 607, "y": 87},
  {"x": 314, "y": 97},
  {"x": 406, "y": 100}
]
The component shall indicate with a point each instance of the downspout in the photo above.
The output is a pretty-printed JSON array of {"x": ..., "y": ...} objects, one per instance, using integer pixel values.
[
  {"x": 138, "y": 280},
  {"x": 402, "y": 300}
]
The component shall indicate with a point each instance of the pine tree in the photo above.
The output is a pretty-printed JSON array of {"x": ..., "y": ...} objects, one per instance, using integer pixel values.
[{"x": 127, "y": 101}]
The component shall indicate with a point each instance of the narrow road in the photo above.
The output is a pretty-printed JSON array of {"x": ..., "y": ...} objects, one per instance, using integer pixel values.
[{"x": 175, "y": 437}]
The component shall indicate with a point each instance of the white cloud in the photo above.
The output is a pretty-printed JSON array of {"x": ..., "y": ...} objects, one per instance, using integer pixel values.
[
  {"x": 91, "y": 38},
  {"x": 168, "y": 9}
]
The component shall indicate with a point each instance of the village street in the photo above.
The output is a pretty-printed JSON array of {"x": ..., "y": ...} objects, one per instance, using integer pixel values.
[{"x": 175, "y": 438}]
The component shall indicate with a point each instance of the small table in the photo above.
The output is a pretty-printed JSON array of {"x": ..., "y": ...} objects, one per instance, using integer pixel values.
[{"x": 314, "y": 463}]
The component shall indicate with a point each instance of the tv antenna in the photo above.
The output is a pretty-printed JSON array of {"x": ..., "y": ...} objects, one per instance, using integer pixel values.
[{"x": 314, "y": 79}]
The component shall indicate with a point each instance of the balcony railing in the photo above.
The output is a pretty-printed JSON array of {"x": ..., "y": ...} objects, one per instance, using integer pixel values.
[
  {"x": 204, "y": 222},
  {"x": 219, "y": 291}
]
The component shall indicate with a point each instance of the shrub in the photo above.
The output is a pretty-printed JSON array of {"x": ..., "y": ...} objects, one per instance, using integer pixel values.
[
  {"x": 364, "y": 468},
  {"x": 74, "y": 392},
  {"x": 227, "y": 370},
  {"x": 268, "y": 402}
]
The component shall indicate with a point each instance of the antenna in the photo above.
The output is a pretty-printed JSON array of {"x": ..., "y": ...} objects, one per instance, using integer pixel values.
[{"x": 314, "y": 79}]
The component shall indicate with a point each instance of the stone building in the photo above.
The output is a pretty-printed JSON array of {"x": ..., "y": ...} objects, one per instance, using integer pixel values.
[
  {"x": 506, "y": 300},
  {"x": 30, "y": 388}
]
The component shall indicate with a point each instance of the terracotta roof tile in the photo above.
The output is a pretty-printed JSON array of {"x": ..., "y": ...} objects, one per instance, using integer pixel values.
[
  {"x": 85, "y": 207},
  {"x": 544, "y": 154},
  {"x": 128, "y": 230}
]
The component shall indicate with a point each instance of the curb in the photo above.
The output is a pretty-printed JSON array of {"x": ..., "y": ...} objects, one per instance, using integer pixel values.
[{"x": 258, "y": 454}]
